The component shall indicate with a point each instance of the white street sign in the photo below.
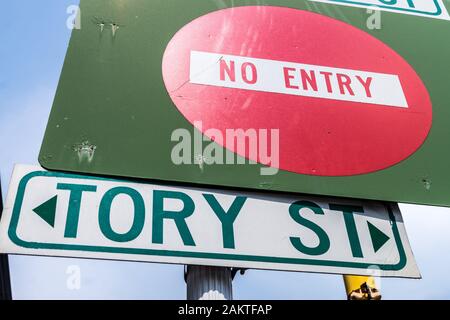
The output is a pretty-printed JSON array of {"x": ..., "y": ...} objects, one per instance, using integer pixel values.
[
  {"x": 423, "y": 8},
  {"x": 59, "y": 214}
]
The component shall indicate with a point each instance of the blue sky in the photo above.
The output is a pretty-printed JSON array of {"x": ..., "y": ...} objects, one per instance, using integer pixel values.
[{"x": 33, "y": 42}]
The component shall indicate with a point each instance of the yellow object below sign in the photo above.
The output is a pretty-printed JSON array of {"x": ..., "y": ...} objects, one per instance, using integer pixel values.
[{"x": 361, "y": 288}]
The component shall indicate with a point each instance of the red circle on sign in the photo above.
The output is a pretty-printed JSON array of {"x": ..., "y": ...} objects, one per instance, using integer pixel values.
[{"x": 337, "y": 127}]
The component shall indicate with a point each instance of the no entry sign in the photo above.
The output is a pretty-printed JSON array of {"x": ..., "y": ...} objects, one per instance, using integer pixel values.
[
  {"x": 353, "y": 111},
  {"x": 60, "y": 214},
  {"x": 336, "y": 94}
]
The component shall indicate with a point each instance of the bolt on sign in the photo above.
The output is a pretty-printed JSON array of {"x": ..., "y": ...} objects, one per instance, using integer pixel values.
[
  {"x": 295, "y": 96},
  {"x": 59, "y": 214}
]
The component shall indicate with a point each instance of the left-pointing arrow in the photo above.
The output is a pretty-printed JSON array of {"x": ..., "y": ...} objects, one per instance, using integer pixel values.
[{"x": 47, "y": 211}]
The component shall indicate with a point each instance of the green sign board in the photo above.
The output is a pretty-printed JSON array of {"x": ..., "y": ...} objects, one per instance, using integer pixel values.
[{"x": 319, "y": 97}]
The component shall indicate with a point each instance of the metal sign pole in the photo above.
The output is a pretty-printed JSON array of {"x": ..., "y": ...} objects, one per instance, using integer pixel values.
[
  {"x": 209, "y": 283},
  {"x": 5, "y": 281}
]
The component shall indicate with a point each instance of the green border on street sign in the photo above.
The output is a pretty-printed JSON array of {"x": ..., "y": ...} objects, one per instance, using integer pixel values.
[
  {"x": 438, "y": 8},
  {"x": 12, "y": 232}
]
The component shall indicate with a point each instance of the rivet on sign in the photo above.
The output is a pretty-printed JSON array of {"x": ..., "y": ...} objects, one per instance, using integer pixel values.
[
  {"x": 85, "y": 150},
  {"x": 426, "y": 184},
  {"x": 114, "y": 28}
]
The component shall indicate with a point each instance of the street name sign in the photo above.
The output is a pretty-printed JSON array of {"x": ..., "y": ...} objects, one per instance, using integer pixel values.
[
  {"x": 295, "y": 96},
  {"x": 59, "y": 214},
  {"x": 424, "y": 8}
]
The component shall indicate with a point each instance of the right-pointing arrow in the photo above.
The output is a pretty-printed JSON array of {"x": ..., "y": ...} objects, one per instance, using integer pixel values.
[
  {"x": 47, "y": 211},
  {"x": 379, "y": 238}
]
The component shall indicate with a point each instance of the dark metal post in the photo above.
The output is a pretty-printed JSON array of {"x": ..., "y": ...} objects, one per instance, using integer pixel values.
[{"x": 5, "y": 280}]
